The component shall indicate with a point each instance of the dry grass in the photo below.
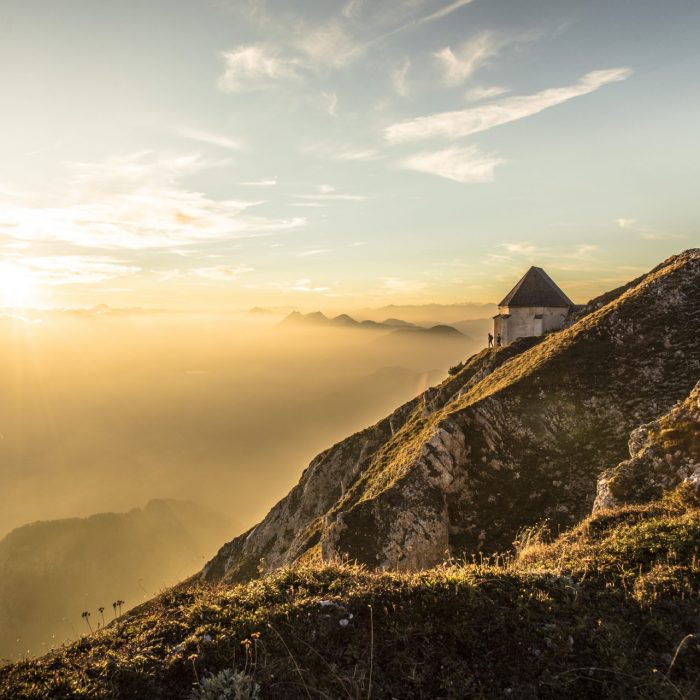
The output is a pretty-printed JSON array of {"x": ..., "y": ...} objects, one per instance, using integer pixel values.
[{"x": 600, "y": 611}]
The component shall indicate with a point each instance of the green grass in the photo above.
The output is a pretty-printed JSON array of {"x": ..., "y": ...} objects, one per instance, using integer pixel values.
[{"x": 600, "y": 611}]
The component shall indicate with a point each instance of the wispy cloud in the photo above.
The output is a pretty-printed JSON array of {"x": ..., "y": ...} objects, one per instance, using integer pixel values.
[
  {"x": 328, "y": 193},
  {"x": 476, "y": 119},
  {"x": 398, "y": 285},
  {"x": 260, "y": 183},
  {"x": 256, "y": 67},
  {"x": 135, "y": 202},
  {"x": 444, "y": 11},
  {"x": 330, "y": 100},
  {"x": 305, "y": 285},
  {"x": 334, "y": 197},
  {"x": 313, "y": 47},
  {"x": 311, "y": 253},
  {"x": 478, "y": 93},
  {"x": 646, "y": 232},
  {"x": 514, "y": 255},
  {"x": 399, "y": 77},
  {"x": 462, "y": 63},
  {"x": 465, "y": 165},
  {"x": 326, "y": 45},
  {"x": 352, "y": 8},
  {"x": 222, "y": 273},
  {"x": 416, "y": 21},
  {"x": 340, "y": 152},
  {"x": 356, "y": 154},
  {"x": 75, "y": 269},
  {"x": 209, "y": 138},
  {"x": 521, "y": 248},
  {"x": 172, "y": 274},
  {"x": 468, "y": 58}
]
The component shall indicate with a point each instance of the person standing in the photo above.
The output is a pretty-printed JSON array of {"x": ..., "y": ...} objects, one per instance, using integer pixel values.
[
  {"x": 490, "y": 340},
  {"x": 498, "y": 340}
]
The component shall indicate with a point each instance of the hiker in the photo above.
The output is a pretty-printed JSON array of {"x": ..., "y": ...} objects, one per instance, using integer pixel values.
[
  {"x": 490, "y": 340},
  {"x": 498, "y": 340}
]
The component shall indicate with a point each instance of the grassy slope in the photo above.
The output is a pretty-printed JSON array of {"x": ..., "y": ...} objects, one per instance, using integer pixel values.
[
  {"x": 604, "y": 375},
  {"x": 610, "y": 358},
  {"x": 599, "y": 612}
]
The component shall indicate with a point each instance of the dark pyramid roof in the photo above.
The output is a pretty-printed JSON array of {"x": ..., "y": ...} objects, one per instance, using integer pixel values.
[{"x": 536, "y": 288}]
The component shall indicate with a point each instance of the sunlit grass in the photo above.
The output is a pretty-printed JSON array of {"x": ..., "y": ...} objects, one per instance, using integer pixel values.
[{"x": 555, "y": 618}]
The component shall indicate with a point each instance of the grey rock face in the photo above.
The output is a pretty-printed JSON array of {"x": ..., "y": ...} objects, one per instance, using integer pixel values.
[
  {"x": 663, "y": 454},
  {"x": 518, "y": 435}
]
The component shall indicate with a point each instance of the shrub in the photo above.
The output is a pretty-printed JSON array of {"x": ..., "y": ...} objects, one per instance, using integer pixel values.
[{"x": 227, "y": 685}]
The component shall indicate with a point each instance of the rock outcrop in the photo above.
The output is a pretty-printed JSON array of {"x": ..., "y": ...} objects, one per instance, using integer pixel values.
[
  {"x": 663, "y": 454},
  {"x": 517, "y": 435}
]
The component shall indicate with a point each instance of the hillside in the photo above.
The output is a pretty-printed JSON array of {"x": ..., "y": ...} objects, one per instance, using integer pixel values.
[
  {"x": 57, "y": 569},
  {"x": 514, "y": 436},
  {"x": 555, "y": 621}
]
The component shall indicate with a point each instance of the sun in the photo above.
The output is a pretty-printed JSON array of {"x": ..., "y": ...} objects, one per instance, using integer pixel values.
[{"x": 17, "y": 287}]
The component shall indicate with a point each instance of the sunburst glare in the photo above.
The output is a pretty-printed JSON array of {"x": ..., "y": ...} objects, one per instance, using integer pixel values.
[{"x": 17, "y": 287}]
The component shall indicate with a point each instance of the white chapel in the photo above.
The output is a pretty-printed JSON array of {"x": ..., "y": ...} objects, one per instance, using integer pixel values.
[{"x": 534, "y": 306}]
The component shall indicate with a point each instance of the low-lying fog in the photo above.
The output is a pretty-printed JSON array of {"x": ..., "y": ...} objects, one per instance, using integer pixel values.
[
  {"x": 106, "y": 411},
  {"x": 103, "y": 412}
]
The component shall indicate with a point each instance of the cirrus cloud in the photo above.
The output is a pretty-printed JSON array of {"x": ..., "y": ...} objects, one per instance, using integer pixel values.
[
  {"x": 465, "y": 165},
  {"x": 136, "y": 202},
  {"x": 256, "y": 67},
  {"x": 477, "y": 119},
  {"x": 75, "y": 269},
  {"x": 473, "y": 54},
  {"x": 223, "y": 273}
]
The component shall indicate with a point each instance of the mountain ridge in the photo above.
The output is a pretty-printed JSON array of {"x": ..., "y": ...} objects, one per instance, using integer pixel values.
[
  {"x": 396, "y": 326},
  {"x": 398, "y": 494}
]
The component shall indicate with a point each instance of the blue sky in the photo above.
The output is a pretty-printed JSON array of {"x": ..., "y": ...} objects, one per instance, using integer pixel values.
[{"x": 212, "y": 153}]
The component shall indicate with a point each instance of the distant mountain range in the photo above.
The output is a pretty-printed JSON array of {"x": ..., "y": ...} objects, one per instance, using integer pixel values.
[
  {"x": 319, "y": 319},
  {"x": 418, "y": 314}
]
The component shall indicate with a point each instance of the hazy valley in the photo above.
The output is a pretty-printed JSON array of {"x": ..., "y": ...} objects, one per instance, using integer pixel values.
[
  {"x": 132, "y": 406},
  {"x": 112, "y": 408},
  {"x": 530, "y": 513}
]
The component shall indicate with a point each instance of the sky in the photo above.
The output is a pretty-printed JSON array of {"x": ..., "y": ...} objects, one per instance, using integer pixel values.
[{"x": 222, "y": 154}]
